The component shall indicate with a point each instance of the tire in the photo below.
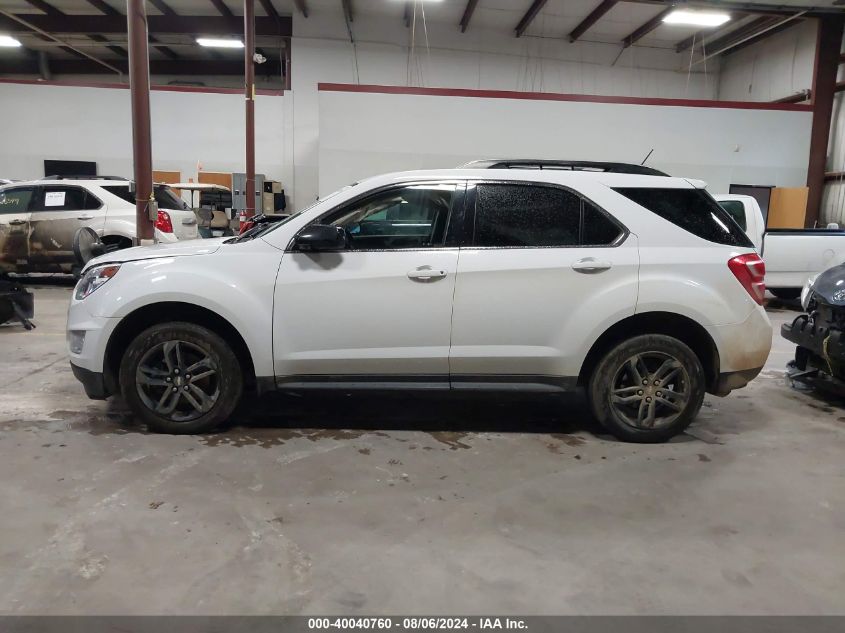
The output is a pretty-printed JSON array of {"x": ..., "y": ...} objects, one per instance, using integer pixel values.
[
  {"x": 638, "y": 419},
  {"x": 786, "y": 294},
  {"x": 160, "y": 360}
]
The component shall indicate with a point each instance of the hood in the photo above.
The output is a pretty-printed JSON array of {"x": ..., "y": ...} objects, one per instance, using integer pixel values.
[
  {"x": 174, "y": 249},
  {"x": 830, "y": 286}
]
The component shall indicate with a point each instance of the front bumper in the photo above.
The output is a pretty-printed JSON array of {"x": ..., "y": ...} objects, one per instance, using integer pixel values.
[
  {"x": 93, "y": 382},
  {"x": 819, "y": 339}
]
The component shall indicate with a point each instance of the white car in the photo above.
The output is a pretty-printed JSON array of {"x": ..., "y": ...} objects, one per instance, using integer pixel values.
[
  {"x": 38, "y": 219},
  {"x": 792, "y": 256},
  {"x": 638, "y": 288}
]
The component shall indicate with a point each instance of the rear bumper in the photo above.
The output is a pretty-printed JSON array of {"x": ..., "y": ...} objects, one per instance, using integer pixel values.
[
  {"x": 93, "y": 382},
  {"x": 728, "y": 381}
]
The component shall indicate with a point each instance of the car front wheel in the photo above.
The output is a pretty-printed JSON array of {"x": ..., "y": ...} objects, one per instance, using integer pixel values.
[
  {"x": 647, "y": 389},
  {"x": 180, "y": 378}
]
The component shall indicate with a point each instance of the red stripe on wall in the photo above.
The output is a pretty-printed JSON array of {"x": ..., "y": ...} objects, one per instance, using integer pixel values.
[
  {"x": 551, "y": 96},
  {"x": 200, "y": 89}
]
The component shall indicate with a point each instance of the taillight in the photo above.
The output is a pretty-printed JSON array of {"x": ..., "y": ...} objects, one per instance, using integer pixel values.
[
  {"x": 751, "y": 272},
  {"x": 163, "y": 223}
]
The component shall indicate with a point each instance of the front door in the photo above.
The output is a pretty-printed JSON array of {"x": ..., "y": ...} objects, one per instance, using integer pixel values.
[
  {"x": 14, "y": 227},
  {"x": 542, "y": 272},
  {"x": 58, "y": 211},
  {"x": 380, "y": 309}
]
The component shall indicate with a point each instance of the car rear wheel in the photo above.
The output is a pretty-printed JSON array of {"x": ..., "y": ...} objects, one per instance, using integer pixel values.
[
  {"x": 647, "y": 389},
  {"x": 181, "y": 378}
]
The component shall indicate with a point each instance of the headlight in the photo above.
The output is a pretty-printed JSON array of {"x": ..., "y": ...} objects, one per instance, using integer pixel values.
[
  {"x": 805, "y": 291},
  {"x": 93, "y": 279}
]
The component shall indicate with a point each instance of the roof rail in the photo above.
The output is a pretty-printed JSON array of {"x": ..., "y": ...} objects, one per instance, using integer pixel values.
[
  {"x": 82, "y": 177},
  {"x": 566, "y": 165}
]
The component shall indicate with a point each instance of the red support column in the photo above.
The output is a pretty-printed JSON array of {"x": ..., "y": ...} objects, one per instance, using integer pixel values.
[
  {"x": 828, "y": 48},
  {"x": 139, "y": 88},
  {"x": 249, "y": 74}
]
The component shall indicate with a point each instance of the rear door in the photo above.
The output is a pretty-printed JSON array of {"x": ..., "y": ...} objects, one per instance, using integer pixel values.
[
  {"x": 14, "y": 227},
  {"x": 543, "y": 270},
  {"x": 57, "y": 212}
]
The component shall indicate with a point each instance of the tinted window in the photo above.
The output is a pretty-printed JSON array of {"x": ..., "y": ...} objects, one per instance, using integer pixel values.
[
  {"x": 526, "y": 216},
  {"x": 122, "y": 193},
  {"x": 166, "y": 199},
  {"x": 164, "y": 196},
  {"x": 58, "y": 198},
  {"x": 736, "y": 210},
  {"x": 597, "y": 229},
  {"x": 15, "y": 200},
  {"x": 693, "y": 210},
  {"x": 407, "y": 217}
]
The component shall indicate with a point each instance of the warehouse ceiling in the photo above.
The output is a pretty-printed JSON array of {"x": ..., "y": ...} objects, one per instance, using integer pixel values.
[{"x": 97, "y": 27}]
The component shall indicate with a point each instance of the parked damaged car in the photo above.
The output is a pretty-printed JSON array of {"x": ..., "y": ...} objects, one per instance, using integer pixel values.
[{"x": 820, "y": 332}]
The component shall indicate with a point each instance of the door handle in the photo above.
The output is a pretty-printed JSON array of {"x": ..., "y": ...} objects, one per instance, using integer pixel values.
[
  {"x": 17, "y": 222},
  {"x": 85, "y": 217},
  {"x": 590, "y": 265},
  {"x": 425, "y": 273}
]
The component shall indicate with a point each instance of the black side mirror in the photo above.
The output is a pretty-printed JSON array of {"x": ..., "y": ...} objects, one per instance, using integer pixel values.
[{"x": 321, "y": 238}]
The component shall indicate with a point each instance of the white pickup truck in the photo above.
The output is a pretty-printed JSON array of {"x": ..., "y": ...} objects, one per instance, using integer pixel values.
[{"x": 791, "y": 255}]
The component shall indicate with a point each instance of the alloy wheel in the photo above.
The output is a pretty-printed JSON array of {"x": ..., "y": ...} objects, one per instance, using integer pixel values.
[
  {"x": 178, "y": 380},
  {"x": 650, "y": 390}
]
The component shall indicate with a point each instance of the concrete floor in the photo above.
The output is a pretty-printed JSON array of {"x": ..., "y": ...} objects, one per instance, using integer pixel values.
[{"x": 382, "y": 506}]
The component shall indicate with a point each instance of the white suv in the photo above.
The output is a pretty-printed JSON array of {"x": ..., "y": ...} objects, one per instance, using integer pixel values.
[
  {"x": 639, "y": 288},
  {"x": 38, "y": 219}
]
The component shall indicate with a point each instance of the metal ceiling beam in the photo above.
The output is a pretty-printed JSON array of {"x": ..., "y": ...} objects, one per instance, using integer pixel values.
[
  {"x": 470, "y": 9},
  {"x": 190, "y": 67},
  {"x": 222, "y": 9},
  {"x": 347, "y": 10},
  {"x": 50, "y": 10},
  {"x": 162, "y": 6},
  {"x": 270, "y": 10},
  {"x": 529, "y": 16},
  {"x": 160, "y": 24},
  {"x": 105, "y": 8},
  {"x": 754, "y": 28},
  {"x": 28, "y": 27},
  {"x": 777, "y": 28},
  {"x": 703, "y": 34},
  {"x": 302, "y": 7},
  {"x": 590, "y": 20},
  {"x": 647, "y": 28},
  {"x": 752, "y": 8}
]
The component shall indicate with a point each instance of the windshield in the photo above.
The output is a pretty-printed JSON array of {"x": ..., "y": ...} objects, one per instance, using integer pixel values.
[{"x": 264, "y": 229}]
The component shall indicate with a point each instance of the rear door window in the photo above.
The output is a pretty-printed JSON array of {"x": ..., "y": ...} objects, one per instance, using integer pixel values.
[
  {"x": 693, "y": 210},
  {"x": 121, "y": 192},
  {"x": 526, "y": 216},
  {"x": 59, "y": 198},
  {"x": 538, "y": 216}
]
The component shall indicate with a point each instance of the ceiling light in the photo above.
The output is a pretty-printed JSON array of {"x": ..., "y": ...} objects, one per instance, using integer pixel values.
[
  {"x": 213, "y": 43},
  {"x": 696, "y": 18},
  {"x": 11, "y": 42}
]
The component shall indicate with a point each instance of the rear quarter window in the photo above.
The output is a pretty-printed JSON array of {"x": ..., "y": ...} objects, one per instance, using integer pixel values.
[{"x": 693, "y": 210}]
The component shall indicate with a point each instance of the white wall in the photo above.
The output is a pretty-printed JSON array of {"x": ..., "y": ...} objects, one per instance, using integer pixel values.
[
  {"x": 483, "y": 59},
  {"x": 75, "y": 123},
  {"x": 363, "y": 134},
  {"x": 779, "y": 66}
]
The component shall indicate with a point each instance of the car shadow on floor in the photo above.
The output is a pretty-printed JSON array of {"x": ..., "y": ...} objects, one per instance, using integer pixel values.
[{"x": 281, "y": 413}]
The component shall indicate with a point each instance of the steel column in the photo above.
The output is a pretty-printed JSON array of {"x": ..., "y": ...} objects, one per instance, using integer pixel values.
[
  {"x": 828, "y": 48},
  {"x": 249, "y": 75},
  {"x": 139, "y": 85}
]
